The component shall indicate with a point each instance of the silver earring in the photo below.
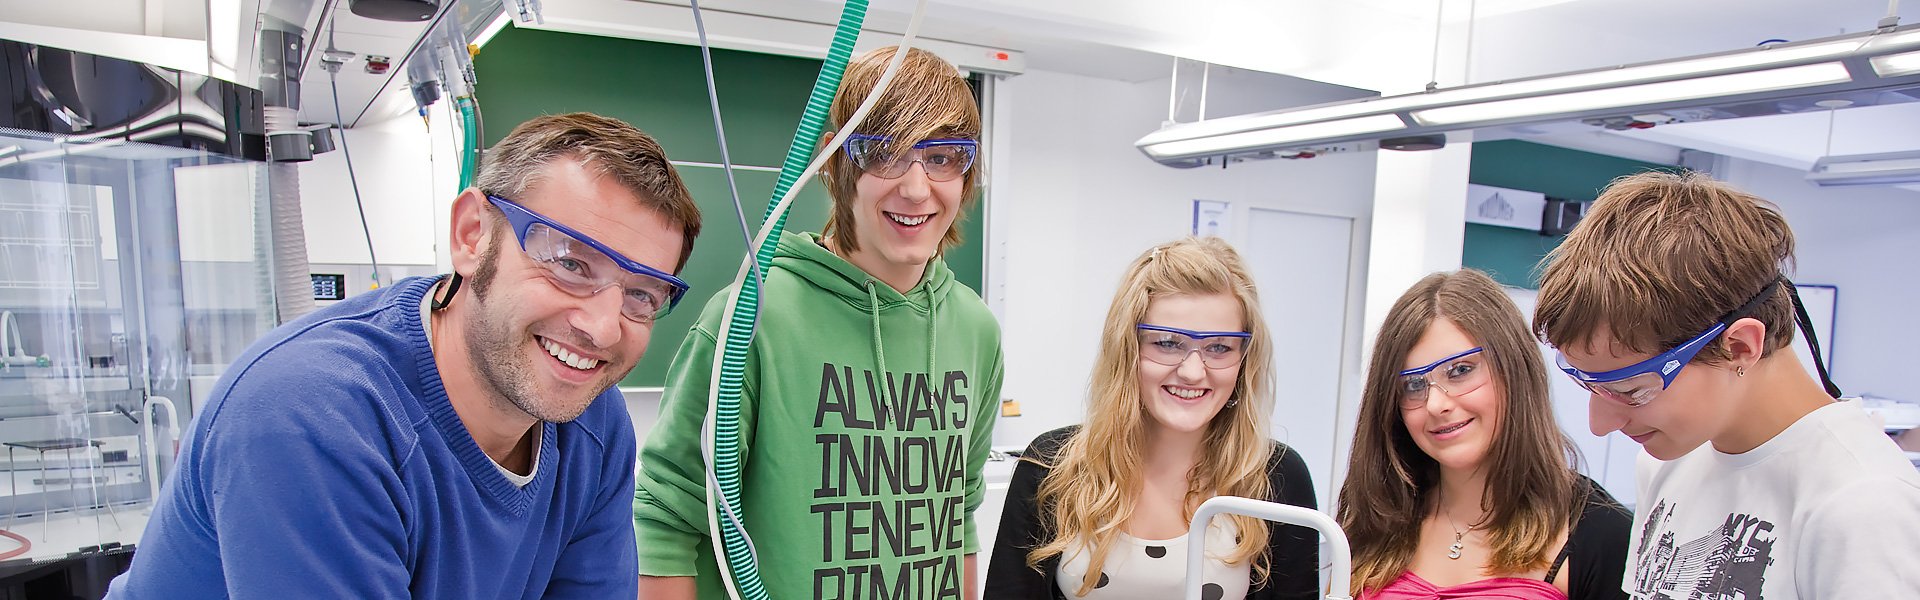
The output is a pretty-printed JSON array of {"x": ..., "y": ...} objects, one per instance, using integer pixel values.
[
  {"x": 1739, "y": 371},
  {"x": 1233, "y": 402}
]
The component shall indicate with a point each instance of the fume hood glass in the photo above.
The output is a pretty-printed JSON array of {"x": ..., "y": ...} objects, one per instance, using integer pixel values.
[{"x": 130, "y": 276}]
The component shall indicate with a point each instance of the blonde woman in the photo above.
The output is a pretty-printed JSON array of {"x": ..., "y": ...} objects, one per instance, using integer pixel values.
[{"x": 1178, "y": 414}]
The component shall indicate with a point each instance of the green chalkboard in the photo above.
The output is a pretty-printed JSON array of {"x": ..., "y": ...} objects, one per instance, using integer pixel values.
[
  {"x": 660, "y": 88},
  {"x": 1512, "y": 255}
]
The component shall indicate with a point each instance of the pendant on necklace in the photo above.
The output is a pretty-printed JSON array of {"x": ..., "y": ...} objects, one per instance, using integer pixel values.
[{"x": 1453, "y": 551}]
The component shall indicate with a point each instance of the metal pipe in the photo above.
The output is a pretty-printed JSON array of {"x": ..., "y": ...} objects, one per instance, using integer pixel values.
[
  {"x": 1341, "y": 580},
  {"x": 153, "y": 456}
]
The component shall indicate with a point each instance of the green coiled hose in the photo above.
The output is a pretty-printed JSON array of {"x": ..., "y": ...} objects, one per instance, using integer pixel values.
[
  {"x": 740, "y": 566},
  {"x": 733, "y": 549}
]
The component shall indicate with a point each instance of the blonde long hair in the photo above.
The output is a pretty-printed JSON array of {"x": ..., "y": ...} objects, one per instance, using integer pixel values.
[{"x": 1090, "y": 491}]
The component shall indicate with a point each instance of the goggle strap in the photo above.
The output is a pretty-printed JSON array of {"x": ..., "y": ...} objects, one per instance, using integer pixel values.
[
  {"x": 452, "y": 286},
  {"x": 1754, "y": 302},
  {"x": 1813, "y": 341}
]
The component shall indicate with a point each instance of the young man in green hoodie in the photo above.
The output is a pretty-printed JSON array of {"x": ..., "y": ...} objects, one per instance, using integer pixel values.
[{"x": 871, "y": 386}]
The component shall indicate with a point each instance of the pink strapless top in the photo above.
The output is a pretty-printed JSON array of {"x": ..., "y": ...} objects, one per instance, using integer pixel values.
[{"x": 1411, "y": 587}]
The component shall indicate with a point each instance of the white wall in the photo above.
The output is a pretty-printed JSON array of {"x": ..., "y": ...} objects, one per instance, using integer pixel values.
[
  {"x": 407, "y": 175},
  {"x": 1080, "y": 203},
  {"x": 1865, "y": 241},
  {"x": 215, "y": 204},
  {"x": 183, "y": 19}
]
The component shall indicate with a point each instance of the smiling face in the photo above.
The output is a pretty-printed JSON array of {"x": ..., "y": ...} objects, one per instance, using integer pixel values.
[
  {"x": 892, "y": 227},
  {"x": 900, "y": 222},
  {"x": 538, "y": 347},
  {"x": 1456, "y": 430},
  {"x": 1185, "y": 398}
]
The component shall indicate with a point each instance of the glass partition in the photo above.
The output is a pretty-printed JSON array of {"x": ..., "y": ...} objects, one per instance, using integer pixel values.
[{"x": 130, "y": 276}]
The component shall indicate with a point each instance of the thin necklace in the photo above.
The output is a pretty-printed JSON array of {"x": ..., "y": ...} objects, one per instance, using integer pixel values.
[{"x": 1453, "y": 551}]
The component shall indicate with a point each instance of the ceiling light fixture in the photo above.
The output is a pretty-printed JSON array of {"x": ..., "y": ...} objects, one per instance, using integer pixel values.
[
  {"x": 1884, "y": 59},
  {"x": 1885, "y": 168}
]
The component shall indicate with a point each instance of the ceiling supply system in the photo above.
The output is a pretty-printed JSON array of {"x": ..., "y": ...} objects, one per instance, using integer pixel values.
[
  {"x": 1879, "y": 67},
  {"x": 673, "y": 23},
  {"x": 395, "y": 10},
  {"x": 391, "y": 54}
]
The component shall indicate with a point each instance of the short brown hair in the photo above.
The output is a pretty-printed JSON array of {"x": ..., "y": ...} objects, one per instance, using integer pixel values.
[
  {"x": 605, "y": 145},
  {"x": 1662, "y": 257},
  {"x": 928, "y": 98},
  {"x": 1391, "y": 482}
]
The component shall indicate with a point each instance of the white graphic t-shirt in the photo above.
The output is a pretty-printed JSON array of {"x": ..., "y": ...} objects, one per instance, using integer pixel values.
[{"x": 1829, "y": 509}]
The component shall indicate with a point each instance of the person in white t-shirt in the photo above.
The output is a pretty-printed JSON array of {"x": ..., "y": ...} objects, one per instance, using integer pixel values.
[{"x": 1668, "y": 303}]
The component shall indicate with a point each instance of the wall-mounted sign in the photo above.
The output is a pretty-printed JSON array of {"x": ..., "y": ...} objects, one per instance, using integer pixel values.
[
  {"x": 1504, "y": 207},
  {"x": 1212, "y": 217}
]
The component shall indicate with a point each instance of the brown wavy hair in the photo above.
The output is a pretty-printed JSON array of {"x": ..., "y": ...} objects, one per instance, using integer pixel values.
[
  {"x": 1090, "y": 490},
  {"x": 1391, "y": 484}
]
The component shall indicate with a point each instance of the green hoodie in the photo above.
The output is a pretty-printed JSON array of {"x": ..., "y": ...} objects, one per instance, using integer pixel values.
[{"x": 867, "y": 415}]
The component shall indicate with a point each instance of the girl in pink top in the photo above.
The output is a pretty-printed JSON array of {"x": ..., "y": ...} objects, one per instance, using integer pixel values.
[{"x": 1461, "y": 484}]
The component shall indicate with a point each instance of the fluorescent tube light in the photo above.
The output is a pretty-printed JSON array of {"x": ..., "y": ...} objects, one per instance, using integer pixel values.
[
  {"x": 224, "y": 28},
  {"x": 1886, "y": 168},
  {"x": 1892, "y": 42},
  {"x": 1897, "y": 64},
  {"x": 1649, "y": 72},
  {"x": 1643, "y": 94},
  {"x": 1278, "y": 135},
  {"x": 1249, "y": 123},
  {"x": 1572, "y": 81},
  {"x": 1875, "y": 61}
]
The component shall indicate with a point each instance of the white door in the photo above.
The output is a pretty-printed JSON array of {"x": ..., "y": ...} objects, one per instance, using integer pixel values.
[{"x": 1300, "y": 263}]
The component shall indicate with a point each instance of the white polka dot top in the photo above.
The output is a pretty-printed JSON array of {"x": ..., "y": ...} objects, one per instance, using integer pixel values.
[{"x": 1140, "y": 569}]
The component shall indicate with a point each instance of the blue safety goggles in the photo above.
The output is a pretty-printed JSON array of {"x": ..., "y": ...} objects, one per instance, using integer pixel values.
[
  {"x": 943, "y": 159},
  {"x": 1640, "y": 383},
  {"x": 582, "y": 266},
  {"x": 1463, "y": 373},
  {"x": 1172, "y": 345}
]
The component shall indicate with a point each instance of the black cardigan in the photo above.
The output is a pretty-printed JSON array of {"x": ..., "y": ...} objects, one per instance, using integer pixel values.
[
  {"x": 1293, "y": 551},
  {"x": 1597, "y": 546}
]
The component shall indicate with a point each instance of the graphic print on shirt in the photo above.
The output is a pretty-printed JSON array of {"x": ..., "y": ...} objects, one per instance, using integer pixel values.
[
  {"x": 891, "y": 485},
  {"x": 1727, "y": 563}
]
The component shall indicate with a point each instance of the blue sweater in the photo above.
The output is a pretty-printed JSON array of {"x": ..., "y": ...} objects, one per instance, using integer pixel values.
[{"x": 328, "y": 463}]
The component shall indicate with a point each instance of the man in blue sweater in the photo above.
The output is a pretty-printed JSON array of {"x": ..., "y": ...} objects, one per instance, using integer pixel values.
[{"x": 435, "y": 440}]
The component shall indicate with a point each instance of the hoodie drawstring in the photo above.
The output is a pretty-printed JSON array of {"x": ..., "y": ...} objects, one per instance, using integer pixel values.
[
  {"x": 873, "y": 313},
  {"x": 933, "y": 333},
  {"x": 880, "y": 350}
]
